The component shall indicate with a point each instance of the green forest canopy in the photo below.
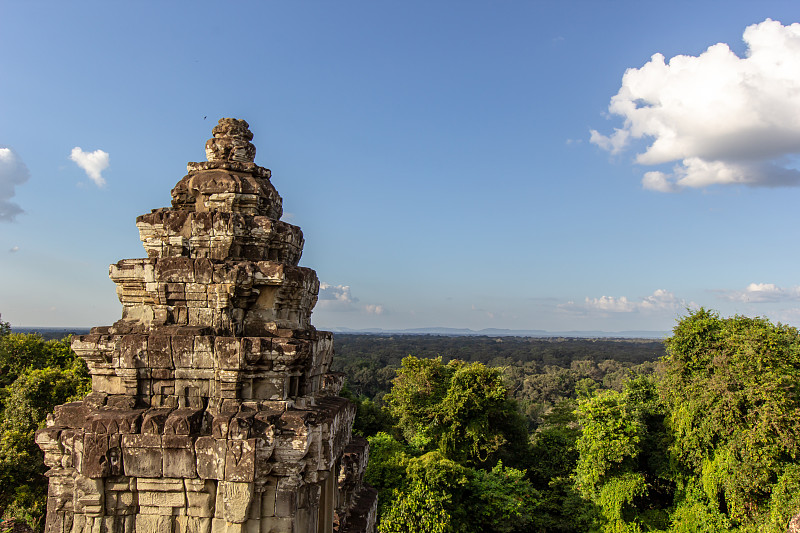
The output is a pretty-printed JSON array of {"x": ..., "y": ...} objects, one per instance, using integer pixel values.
[{"x": 699, "y": 433}]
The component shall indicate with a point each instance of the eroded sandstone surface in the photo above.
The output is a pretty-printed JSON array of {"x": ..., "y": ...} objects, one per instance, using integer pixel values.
[{"x": 212, "y": 407}]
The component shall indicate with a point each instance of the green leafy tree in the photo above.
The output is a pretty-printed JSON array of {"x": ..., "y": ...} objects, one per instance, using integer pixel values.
[
  {"x": 386, "y": 469},
  {"x": 504, "y": 500},
  {"x": 554, "y": 456},
  {"x": 478, "y": 423},
  {"x": 30, "y": 398},
  {"x": 622, "y": 465},
  {"x": 461, "y": 409},
  {"x": 21, "y": 352},
  {"x": 457, "y": 425},
  {"x": 417, "y": 511},
  {"x": 416, "y": 397},
  {"x": 732, "y": 387},
  {"x": 35, "y": 375},
  {"x": 499, "y": 500},
  {"x": 712, "y": 440},
  {"x": 371, "y": 418}
]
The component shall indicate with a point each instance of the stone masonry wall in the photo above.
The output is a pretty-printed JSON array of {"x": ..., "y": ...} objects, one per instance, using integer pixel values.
[{"x": 212, "y": 407}]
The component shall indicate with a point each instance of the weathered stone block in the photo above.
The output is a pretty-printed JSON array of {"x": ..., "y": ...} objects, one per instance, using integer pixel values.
[
  {"x": 54, "y": 522},
  {"x": 182, "y": 348},
  {"x": 142, "y": 456},
  {"x": 159, "y": 350},
  {"x": 108, "y": 384},
  {"x": 240, "y": 460},
  {"x": 268, "y": 498},
  {"x": 276, "y": 524},
  {"x": 71, "y": 415},
  {"x": 162, "y": 499},
  {"x": 184, "y": 421},
  {"x": 95, "y": 461},
  {"x": 179, "y": 459},
  {"x": 286, "y": 502},
  {"x": 227, "y": 351},
  {"x": 201, "y": 504},
  {"x": 192, "y": 524},
  {"x": 153, "y": 524},
  {"x": 133, "y": 351},
  {"x": 153, "y": 421},
  {"x": 237, "y": 498},
  {"x": 165, "y": 375},
  {"x": 211, "y": 456}
]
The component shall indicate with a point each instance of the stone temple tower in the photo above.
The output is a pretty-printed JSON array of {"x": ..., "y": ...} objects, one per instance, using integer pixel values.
[{"x": 212, "y": 407}]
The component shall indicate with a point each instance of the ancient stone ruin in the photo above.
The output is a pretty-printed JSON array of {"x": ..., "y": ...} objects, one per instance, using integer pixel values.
[{"x": 212, "y": 407}]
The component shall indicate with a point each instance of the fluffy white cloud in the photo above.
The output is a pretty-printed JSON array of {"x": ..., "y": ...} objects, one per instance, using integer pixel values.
[
  {"x": 763, "y": 292},
  {"x": 337, "y": 298},
  {"x": 660, "y": 300},
  {"x": 13, "y": 172},
  {"x": 94, "y": 163},
  {"x": 374, "y": 309},
  {"x": 339, "y": 293},
  {"x": 724, "y": 119}
]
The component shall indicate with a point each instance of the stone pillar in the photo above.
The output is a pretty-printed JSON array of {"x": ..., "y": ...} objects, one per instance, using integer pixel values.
[{"x": 212, "y": 407}]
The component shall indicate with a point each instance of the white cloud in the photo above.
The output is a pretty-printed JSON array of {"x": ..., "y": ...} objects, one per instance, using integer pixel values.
[
  {"x": 13, "y": 172},
  {"x": 724, "y": 119},
  {"x": 374, "y": 309},
  {"x": 763, "y": 292},
  {"x": 337, "y": 298},
  {"x": 94, "y": 163},
  {"x": 339, "y": 293},
  {"x": 488, "y": 314},
  {"x": 660, "y": 300}
]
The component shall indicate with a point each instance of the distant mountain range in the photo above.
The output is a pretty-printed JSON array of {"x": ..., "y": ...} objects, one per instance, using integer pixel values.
[{"x": 445, "y": 332}]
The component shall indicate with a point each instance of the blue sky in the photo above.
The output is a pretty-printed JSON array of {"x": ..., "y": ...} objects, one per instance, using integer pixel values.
[{"x": 451, "y": 163}]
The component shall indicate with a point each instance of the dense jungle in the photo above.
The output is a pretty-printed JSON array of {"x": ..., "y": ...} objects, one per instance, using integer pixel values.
[{"x": 508, "y": 434}]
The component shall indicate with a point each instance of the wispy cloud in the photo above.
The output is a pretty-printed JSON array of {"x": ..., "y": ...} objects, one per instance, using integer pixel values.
[
  {"x": 660, "y": 300},
  {"x": 724, "y": 119},
  {"x": 13, "y": 172},
  {"x": 763, "y": 293},
  {"x": 374, "y": 309},
  {"x": 93, "y": 163},
  {"x": 482, "y": 311},
  {"x": 338, "y": 298}
]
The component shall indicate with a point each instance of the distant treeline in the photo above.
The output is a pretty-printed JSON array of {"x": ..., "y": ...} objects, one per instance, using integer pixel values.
[
  {"x": 561, "y": 351},
  {"x": 51, "y": 334},
  {"x": 538, "y": 371}
]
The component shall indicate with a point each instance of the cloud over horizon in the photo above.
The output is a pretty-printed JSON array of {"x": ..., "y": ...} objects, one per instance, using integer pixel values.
[
  {"x": 93, "y": 163},
  {"x": 339, "y": 293},
  {"x": 374, "y": 309},
  {"x": 660, "y": 300},
  {"x": 13, "y": 172},
  {"x": 763, "y": 293},
  {"x": 337, "y": 298},
  {"x": 723, "y": 119}
]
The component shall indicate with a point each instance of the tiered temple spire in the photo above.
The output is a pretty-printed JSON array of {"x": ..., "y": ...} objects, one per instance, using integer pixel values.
[{"x": 212, "y": 407}]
